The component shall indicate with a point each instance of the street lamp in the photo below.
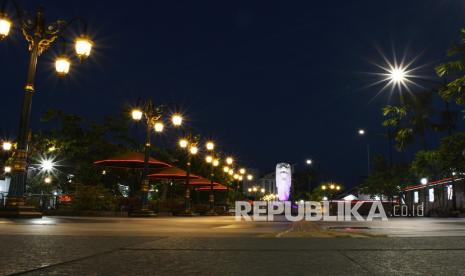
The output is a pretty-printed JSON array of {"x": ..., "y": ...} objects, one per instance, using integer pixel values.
[
  {"x": 362, "y": 132},
  {"x": 158, "y": 127},
  {"x": 249, "y": 177},
  {"x": 188, "y": 144},
  {"x": 309, "y": 163},
  {"x": 136, "y": 114},
  {"x": 40, "y": 36},
  {"x": 152, "y": 116},
  {"x": 210, "y": 146},
  {"x": 5, "y": 26},
  {"x": 62, "y": 65},
  {"x": 7, "y": 146},
  {"x": 177, "y": 119}
]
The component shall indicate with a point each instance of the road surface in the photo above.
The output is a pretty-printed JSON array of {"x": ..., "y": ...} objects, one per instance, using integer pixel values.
[{"x": 222, "y": 246}]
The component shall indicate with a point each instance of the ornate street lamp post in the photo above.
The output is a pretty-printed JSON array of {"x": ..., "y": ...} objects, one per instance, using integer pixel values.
[
  {"x": 189, "y": 144},
  {"x": 40, "y": 35},
  {"x": 211, "y": 159},
  {"x": 152, "y": 117}
]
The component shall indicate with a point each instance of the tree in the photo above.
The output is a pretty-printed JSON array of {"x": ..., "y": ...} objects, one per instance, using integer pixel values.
[
  {"x": 75, "y": 144},
  {"x": 385, "y": 180},
  {"x": 427, "y": 164},
  {"x": 455, "y": 89},
  {"x": 412, "y": 118}
]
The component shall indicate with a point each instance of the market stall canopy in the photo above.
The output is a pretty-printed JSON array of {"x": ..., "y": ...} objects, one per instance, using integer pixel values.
[
  {"x": 131, "y": 160},
  {"x": 172, "y": 173}
]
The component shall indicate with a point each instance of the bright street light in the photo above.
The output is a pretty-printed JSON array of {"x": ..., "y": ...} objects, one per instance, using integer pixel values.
[
  {"x": 176, "y": 119},
  {"x": 83, "y": 46},
  {"x": 5, "y": 26},
  {"x": 7, "y": 146},
  {"x": 229, "y": 160},
  {"x": 361, "y": 132},
  {"x": 194, "y": 150},
  {"x": 62, "y": 65},
  {"x": 183, "y": 143},
  {"x": 210, "y": 145},
  {"x": 7, "y": 169},
  {"x": 216, "y": 163},
  {"x": 209, "y": 158},
  {"x": 47, "y": 165},
  {"x": 424, "y": 181},
  {"x": 250, "y": 177},
  {"x": 48, "y": 180},
  {"x": 158, "y": 126},
  {"x": 242, "y": 171},
  {"x": 136, "y": 114},
  {"x": 309, "y": 161}
]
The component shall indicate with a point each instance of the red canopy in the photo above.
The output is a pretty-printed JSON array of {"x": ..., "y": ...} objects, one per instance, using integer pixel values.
[
  {"x": 172, "y": 173},
  {"x": 131, "y": 160},
  {"x": 203, "y": 182},
  {"x": 216, "y": 187}
]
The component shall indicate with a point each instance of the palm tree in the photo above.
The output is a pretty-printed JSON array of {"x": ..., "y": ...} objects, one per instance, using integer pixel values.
[
  {"x": 454, "y": 90},
  {"x": 411, "y": 118}
]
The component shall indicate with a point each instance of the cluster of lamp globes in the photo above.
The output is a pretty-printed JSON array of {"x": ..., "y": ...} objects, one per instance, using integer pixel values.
[
  {"x": 331, "y": 187},
  {"x": 158, "y": 126},
  {"x": 255, "y": 190},
  {"x": 82, "y": 46},
  {"x": 176, "y": 120}
]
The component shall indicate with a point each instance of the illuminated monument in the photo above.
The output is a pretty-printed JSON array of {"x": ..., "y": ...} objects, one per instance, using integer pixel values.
[{"x": 283, "y": 180}]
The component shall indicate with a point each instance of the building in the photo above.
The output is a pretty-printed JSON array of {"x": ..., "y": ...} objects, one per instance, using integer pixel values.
[
  {"x": 437, "y": 197},
  {"x": 261, "y": 186}
]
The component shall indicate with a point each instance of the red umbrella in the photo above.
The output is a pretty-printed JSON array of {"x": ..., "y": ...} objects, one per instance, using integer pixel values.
[
  {"x": 172, "y": 173},
  {"x": 131, "y": 160},
  {"x": 216, "y": 187},
  {"x": 203, "y": 182}
]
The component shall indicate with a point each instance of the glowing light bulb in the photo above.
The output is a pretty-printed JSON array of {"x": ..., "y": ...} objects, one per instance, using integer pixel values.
[
  {"x": 83, "y": 46},
  {"x": 136, "y": 114},
  {"x": 62, "y": 65}
]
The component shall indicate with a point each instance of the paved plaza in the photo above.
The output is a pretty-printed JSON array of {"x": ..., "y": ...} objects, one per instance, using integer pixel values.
[{"x": 222, "y": 246}]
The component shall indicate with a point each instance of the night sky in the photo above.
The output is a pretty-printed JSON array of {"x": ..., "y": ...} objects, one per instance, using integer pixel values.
[{"x": 272, "y": 81}]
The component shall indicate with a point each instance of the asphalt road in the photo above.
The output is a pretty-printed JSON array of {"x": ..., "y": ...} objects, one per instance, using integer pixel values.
[{"x": 222, "y": 246}]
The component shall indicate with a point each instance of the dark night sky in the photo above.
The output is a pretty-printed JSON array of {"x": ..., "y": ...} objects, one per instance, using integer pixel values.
[{"x": 273, "y": 81}]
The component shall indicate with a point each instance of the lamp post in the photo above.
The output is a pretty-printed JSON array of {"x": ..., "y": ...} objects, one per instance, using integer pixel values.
[
  {"x": 331, "y": 187},
  {"x": 309, "y": 163},
  {"x": 362, "y": 133},
  {"x": 151, "y": 115},
  {"x": 40, "y": 36},
  {"x": 210, "y": 146},
  {"x": 189, "y": 144}
]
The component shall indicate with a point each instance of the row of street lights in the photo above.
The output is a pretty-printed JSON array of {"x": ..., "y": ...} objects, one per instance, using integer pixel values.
[{"x": 152, "y": 116}]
